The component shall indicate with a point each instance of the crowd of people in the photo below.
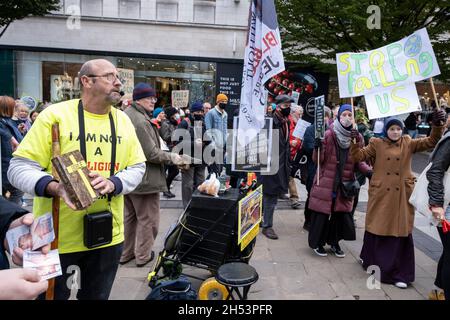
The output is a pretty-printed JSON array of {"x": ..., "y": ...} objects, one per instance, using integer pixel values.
[{"x": 147, "y": 154}]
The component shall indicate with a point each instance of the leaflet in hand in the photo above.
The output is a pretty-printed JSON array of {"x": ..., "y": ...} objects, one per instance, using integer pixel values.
[
  {"x": 31, "y": 238},
  {"x": 47, "y": 265}
]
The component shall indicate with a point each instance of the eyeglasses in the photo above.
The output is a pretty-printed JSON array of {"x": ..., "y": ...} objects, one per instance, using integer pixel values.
[
  {"x": 111, "y": 77},
  {"x": 153, "y": 99}
]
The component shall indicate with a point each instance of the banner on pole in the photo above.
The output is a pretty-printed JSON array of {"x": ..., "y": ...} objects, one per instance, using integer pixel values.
[{"x": 263, "y": 59}]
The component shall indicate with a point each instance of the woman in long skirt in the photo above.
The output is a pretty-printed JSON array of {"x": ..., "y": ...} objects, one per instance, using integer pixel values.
[{"x": 388, "y": 241}]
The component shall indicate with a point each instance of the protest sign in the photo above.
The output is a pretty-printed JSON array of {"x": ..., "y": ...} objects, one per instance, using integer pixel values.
[
  {"x": 300, "y": 128},
  {"x": 296, "y": 96},
  {"x": 386, "y": 75},
  {"x": 254, "y": 156},
  {"x": 180, "y": 98},
  {"x": 319, "y": 116},
  {"x": 406, "y": 61},
  {"x": 127, "y": 78},
  {"x": 250, "y": 215},
  {"x": 398, "y": 100}
]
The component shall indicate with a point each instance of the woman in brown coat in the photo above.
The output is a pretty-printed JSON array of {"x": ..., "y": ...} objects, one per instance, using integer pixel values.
[{"x": 388, "y": 240}]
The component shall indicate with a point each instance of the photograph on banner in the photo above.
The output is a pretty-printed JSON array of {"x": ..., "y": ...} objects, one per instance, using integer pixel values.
[
  {"x": 263, "y": 59},
  {"x": 180, "y": 98},
  {"x": 393, "y": 101},
  {"x": 254, "y": 156},
  {"x": 300, "y": 128},
  {"x": 250, "y": 215},
  {"x": 403, "y": 62},
  {"x": 127, "y": 79},
  {"x": 319, "y": 116}
]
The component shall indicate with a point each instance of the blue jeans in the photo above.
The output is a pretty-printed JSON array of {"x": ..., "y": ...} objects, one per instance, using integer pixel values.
[
  {"x": 412, "y": 133},
  {"x": 97, "y": 271},
  {"x": 269, "y": 204}
]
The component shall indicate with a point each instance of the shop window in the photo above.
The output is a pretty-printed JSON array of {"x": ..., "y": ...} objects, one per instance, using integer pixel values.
[
  {"x": 92, "y": 8},
  {"x": 205, "y": 11},
  {"x": 130, "y": 9},
  {"x": 60, "y": 81},
  {"x": 167, "y": 75},
  {"x": 167, "y": 10}
]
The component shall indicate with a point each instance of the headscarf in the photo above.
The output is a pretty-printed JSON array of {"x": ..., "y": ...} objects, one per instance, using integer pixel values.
[{"x": 343, "y": 135}]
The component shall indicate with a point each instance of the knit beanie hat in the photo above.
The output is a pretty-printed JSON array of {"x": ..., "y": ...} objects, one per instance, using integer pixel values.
[
  {"x": 221, "y": 97},
  {"x": 143, "y": 90},
  {"x": 156, "y": 112},
  {"x": 197, "y": 106},
  {"x": 344, "y": 107},
  {"x": 170, "y": 111},
  {"x": 390, "y": 122}
]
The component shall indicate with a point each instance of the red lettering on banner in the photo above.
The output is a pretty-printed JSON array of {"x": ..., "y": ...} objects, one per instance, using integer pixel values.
[
  {"x": 269, "y": 40},
  {"x": 257, "y": 55}
]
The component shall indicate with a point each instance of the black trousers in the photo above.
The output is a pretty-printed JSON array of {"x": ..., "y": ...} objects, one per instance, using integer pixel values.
[
  {"x": 172, "y": 172},
  {"x": 92, "y": 272}
]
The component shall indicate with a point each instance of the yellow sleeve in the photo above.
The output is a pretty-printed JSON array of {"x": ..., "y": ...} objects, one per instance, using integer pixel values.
[{"x": 37, "y": 144}]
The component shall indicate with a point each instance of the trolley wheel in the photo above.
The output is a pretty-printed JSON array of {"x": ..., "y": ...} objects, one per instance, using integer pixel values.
[{"x": 210, "y": 289}]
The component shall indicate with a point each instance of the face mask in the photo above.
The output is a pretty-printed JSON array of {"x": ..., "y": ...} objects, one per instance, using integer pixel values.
[
  {"x": 286, "y": 112},
  {"x": 177, "y": 117},
  {"x": 222, "y": 105},
  {"x": 346, "y": 122},
  {"x": 198, "y": 117}
]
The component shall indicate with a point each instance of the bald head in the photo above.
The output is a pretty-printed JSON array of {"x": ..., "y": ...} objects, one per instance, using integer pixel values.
[
  {"x": 100, "y": 82},
  {"x": 93, "y": 66}
]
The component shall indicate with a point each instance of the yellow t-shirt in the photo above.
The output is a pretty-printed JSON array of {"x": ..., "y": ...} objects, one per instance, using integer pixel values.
[{"x": 37, "y": 146}]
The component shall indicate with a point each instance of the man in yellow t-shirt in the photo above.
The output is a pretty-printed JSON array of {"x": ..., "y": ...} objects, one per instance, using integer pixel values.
[{"x": 30, "y": 171}]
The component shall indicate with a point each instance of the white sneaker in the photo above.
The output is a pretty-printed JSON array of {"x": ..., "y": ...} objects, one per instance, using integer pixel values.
[{"x": 401, "y": 285}]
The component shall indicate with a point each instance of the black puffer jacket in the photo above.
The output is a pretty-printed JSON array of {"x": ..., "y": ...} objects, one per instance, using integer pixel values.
[
  {"x": 441, "y": 161},
  {"x": 8, "y": 213}
]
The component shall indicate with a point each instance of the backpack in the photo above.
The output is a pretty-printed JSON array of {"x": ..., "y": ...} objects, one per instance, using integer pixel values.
[{"x": 175, "y": 289}]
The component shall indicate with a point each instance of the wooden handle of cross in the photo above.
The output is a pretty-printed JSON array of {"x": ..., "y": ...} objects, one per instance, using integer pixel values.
[{"x": 56, "y": 151}]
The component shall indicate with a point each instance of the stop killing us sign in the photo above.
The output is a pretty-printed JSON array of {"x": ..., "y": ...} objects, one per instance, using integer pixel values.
[{"x": 386, "y": 76}]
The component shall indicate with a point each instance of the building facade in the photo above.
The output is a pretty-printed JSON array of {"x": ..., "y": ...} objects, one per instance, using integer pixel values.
[{"x": 197, "y": 45}]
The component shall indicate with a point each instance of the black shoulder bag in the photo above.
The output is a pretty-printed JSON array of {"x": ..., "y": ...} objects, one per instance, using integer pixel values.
[{"x": 98, "y": 226}]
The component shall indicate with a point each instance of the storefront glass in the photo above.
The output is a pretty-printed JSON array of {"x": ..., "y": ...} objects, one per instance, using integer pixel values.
[{"x": 53, "y": 77}]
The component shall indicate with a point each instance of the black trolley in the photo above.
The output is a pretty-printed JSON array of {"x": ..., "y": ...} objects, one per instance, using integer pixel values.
[{"x": 205, "y": 236}]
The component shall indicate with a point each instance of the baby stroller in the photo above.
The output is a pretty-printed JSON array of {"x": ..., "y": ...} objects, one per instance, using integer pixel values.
[{"x": 205, "y": 236}]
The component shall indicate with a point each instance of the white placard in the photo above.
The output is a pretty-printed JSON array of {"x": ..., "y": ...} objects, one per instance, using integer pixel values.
[
  {"x": 300, "y": 128},
  {"x": 403, "y": 62},
  {"x": 393, "y": 101}
]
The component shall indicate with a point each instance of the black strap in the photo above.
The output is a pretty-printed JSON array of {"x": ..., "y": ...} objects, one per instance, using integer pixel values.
[{"x": 82, "y": 137}]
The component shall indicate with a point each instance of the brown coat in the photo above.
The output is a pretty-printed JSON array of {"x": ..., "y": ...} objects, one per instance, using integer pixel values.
[
  {"x": 388, "y": 210},
  {"x": 154, "y": 179}
]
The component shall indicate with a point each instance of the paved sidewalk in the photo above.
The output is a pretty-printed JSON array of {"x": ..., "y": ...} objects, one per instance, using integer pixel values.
[{"x": 288, "y": 269}]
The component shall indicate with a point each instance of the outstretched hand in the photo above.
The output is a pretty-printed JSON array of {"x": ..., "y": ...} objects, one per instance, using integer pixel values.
[{"x": 438, "y": 117}]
